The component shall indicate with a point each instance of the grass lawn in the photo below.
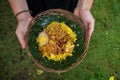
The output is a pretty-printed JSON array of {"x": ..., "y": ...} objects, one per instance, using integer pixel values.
[{"x": 101, "y": 61}]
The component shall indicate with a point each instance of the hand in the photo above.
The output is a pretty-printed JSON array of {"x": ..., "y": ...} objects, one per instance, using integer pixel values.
[
  {"x": 87, "y": 19},
  {"x": 22, "y": 29}
]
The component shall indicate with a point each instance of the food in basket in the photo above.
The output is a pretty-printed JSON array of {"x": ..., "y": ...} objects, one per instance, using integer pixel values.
[{"x": 56, "y": 41}]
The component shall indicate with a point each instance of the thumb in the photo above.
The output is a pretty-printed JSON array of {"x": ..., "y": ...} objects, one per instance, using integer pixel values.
[{"x": 76, "y": 12}]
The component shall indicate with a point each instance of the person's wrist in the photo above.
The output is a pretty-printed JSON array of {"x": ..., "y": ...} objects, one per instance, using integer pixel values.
[
  {"x": 25, "y": 16},
  {"x": 79, "y": 12}
]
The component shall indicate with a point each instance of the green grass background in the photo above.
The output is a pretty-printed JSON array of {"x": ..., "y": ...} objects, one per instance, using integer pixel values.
[{"x": 101, "y": 61}]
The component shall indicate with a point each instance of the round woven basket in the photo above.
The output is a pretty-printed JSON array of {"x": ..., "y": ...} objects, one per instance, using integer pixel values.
[{"x": 71, "y": 17}]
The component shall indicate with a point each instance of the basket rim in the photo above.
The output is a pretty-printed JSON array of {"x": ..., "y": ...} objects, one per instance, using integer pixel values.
[{"x": 77, "y": 20}]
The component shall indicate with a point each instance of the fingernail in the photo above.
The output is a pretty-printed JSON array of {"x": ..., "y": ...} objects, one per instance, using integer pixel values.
[{"x": 23, "y": 46}]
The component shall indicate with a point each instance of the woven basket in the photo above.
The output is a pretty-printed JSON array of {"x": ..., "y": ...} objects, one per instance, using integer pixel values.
[{"x": 71, "y": 17}]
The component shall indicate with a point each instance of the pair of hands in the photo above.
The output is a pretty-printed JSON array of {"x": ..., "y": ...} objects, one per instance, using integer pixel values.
[{"x": 84, "y": 15}]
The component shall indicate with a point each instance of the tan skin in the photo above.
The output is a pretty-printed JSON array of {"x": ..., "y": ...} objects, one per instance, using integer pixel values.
[{"x": 82, "y": 10}]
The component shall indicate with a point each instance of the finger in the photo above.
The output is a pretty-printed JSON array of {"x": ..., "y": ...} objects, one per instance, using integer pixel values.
[{"x": 21, "y": 40}]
